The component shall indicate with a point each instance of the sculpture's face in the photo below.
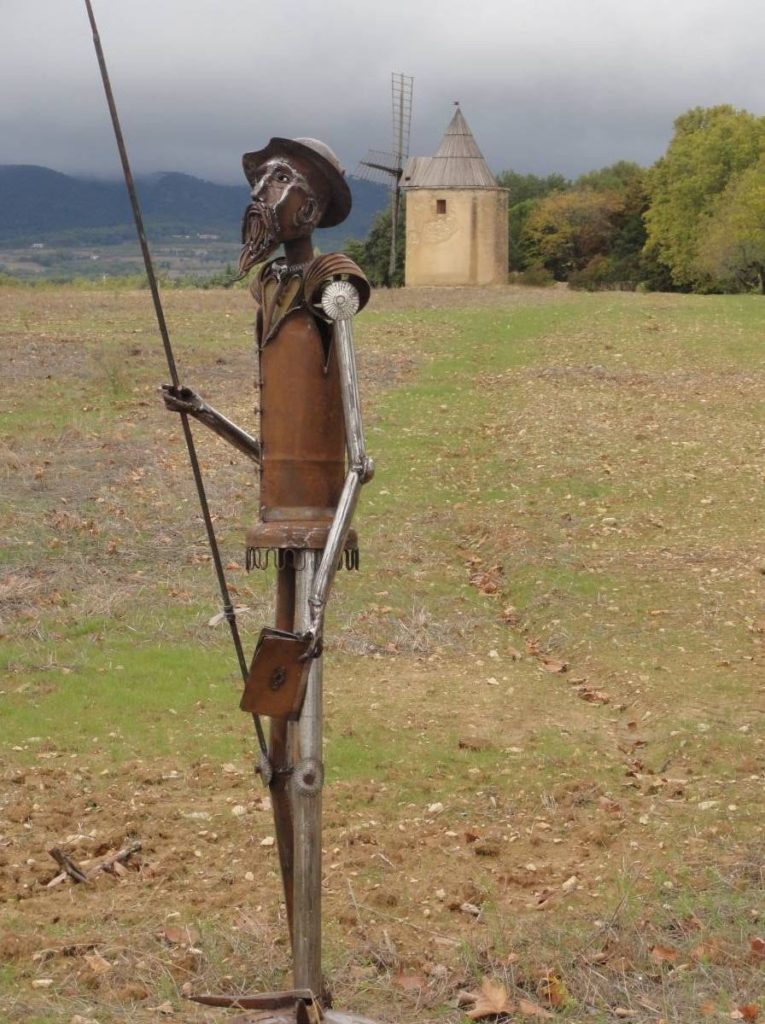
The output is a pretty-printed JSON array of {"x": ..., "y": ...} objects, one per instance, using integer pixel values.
[{"x": 287, "y": 203}]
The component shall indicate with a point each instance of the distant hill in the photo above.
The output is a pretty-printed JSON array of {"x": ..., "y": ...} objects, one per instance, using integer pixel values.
[{"x": 41, "y": 205}]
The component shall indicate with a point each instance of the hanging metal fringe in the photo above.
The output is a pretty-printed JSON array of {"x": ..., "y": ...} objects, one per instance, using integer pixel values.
[{"x": 293, "y": 558}]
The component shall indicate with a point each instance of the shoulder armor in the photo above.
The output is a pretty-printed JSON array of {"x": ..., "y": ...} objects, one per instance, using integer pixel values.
[
  {"x": 333, "y": 266},
  {"x": 256, "y": 286}
]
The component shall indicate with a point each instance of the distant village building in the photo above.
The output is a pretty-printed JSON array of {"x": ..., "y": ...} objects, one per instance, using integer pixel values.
[{"x": 456, "y": 214}]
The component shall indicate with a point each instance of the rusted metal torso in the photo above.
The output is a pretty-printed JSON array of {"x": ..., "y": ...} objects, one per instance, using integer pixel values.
[{"x": 302, "y": 431}]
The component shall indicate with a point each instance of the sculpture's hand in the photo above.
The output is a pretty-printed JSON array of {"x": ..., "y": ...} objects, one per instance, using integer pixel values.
[
  {"x": 180, "y": 399},
  {"x": 314, "y": 635}
]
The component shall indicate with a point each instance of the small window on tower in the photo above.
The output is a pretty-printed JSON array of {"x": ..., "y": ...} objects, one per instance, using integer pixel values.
[{"x": 440, "y": 206}]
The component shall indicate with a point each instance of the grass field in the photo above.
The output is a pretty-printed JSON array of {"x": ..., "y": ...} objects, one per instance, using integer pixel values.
[{"x": 545, "y": 755}]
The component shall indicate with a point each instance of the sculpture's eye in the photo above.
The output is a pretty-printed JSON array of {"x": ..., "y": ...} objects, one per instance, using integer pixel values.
[{"x": 282, "y": 177}]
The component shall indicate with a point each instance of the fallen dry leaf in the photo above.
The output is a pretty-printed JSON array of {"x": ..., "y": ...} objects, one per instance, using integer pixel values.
[
  {"x": 757, "y": 946},
  {"x": 475, "y": 743},
  {"x": 749, "y": 1012},
  {"x": 409, "y": 982},
  {"x": 487, "y": 580},
  {"x": 708, "y": 1008},
  {"x": 607, "y": 804},
  {"x": 663, "y": 954},
  {"x": 510, "y": 615},
  {"x": 554, "y": 665},
  {"x": 181, "y": 935},
  {"x": 97, "y": 963},
  {"x": 490, "y": 1001},
  {"x": 553, "y": 991},
  {"x": 708, "y": 951},
  {"x": 221, "y": 616},
  {"x": 591, "y": 695},
  {"x": 529, "y": 1009}
]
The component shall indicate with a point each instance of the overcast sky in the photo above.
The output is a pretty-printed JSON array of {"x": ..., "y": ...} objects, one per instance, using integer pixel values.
[{"x": 545, "y": 85}]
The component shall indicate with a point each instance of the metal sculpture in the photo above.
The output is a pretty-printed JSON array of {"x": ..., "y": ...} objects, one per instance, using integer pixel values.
[{"x": 312, "y": 461}]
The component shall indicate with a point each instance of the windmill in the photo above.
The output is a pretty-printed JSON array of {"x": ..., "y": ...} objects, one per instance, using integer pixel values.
[{"x": 388, "y": 167}]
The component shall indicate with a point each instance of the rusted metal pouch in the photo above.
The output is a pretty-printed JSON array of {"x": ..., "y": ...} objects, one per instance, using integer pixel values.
[{"x": 277, "y": 678}]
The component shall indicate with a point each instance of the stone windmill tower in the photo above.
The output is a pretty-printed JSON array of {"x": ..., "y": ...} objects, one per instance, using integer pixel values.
[{"x": 456, "y": 214}]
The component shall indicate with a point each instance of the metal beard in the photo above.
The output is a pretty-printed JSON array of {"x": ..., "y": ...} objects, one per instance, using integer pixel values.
[{"x": 259, "y": 235}]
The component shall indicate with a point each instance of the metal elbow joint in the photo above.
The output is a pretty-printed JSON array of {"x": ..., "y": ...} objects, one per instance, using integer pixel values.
[
  {"x": 363, "y": 467},
  {"x": 367, "y": 469}
]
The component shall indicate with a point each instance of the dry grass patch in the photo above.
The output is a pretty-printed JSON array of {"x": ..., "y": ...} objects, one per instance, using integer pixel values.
[{"x": 544, "y": 749}]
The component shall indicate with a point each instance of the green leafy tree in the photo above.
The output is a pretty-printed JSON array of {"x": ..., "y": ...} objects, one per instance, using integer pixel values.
[
  {"x": 531, "y": 186},
  {"x": 619, "y": 177},
  {"x": 709, "y": 148},
  {"x": 373, "y": 253},
  {"x": 519, "y": 255},
  {"x": 731, "y": 247}
]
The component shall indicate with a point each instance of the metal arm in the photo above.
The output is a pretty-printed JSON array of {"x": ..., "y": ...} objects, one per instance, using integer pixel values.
[
  {"x": 340, "y": 302},
  {"x": 179, "y": 399}
]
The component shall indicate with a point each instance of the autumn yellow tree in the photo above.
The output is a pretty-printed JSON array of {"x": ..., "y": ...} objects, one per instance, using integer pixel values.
[{"x": 568, "y": 229}]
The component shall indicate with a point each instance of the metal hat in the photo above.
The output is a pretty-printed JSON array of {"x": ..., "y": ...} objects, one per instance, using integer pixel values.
[{"x": 321, "y": 158}]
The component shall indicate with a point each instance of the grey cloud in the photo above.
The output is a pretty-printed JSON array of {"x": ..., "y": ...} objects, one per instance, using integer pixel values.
[{"x": 554, "y": 86}]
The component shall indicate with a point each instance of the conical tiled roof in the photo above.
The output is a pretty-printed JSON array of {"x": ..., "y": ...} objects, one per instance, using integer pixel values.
[{"x": 458, "y": 162}]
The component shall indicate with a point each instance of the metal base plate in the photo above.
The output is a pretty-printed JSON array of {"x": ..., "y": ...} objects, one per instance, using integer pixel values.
[{"x": 288, "y": 1017}]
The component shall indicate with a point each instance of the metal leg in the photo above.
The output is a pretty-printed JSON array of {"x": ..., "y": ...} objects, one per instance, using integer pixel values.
[
  {"x": 295, "y": 750},
  {"x": 280, "y": 755},
  {"x": 307, "y": 781}
]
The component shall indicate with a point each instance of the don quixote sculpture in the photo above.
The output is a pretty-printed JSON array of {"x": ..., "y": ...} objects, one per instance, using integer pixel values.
[{"x": 312, "y": 464}]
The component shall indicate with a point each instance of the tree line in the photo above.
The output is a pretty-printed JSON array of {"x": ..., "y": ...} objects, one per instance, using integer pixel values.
[{"x": 695, "y": 221}]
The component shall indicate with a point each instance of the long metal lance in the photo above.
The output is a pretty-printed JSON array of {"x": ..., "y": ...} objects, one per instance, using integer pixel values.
[{"x": 228, "y": 608}]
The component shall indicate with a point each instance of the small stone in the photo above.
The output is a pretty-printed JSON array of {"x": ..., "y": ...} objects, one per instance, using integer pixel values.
[{"x": 268, "y": 841}]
